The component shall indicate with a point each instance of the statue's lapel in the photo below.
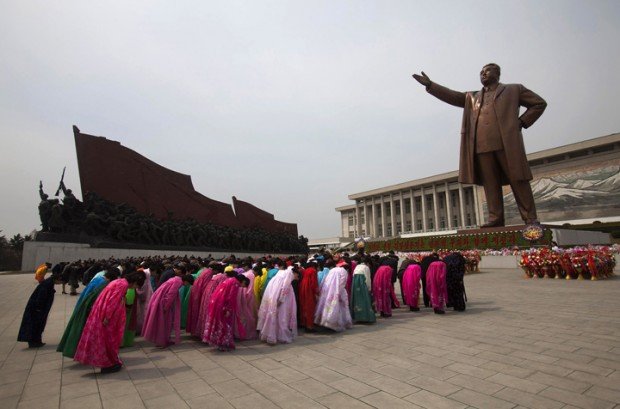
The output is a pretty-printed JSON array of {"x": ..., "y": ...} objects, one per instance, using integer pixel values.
[
  {"x": 499, "y": 90},
  {"x": 478, "y": 99}
]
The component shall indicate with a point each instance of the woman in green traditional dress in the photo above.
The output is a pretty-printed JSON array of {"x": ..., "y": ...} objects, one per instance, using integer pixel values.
[
  {"x": 361, "y": 300},
  {"x": 71, "y": 337},
  {"x": 130, "y": 318},
  {"x": 185, "y": 292}
]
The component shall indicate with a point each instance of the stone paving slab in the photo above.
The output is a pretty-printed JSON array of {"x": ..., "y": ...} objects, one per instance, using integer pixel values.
[{"x": 520, "y": 344}]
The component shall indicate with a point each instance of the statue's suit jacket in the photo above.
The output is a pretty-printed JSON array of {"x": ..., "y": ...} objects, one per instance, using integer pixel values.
[{"x": 508, "y": 99}]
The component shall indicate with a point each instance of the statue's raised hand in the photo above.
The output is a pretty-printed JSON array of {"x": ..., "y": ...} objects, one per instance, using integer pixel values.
[{"x": 422, "y": 79}]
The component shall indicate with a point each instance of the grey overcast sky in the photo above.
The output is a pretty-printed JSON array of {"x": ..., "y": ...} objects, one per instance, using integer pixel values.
[{"x": 289, "y": 105}]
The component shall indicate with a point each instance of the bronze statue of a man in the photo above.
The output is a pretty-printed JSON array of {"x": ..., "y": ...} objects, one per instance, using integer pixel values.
[{"x": 492, "y": 150}]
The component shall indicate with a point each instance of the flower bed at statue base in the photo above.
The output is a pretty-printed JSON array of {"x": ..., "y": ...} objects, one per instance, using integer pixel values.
[
  {"x": 457, "y": 242},
  {"x": 472, "y": 257},
  {"x": 575, "y": 263},
  {"x": 581, "y": 263}
]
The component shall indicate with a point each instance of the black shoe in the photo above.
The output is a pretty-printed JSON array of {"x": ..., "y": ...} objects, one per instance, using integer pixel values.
[
  {"x": 416, "y": 309},
  {"x": 112, "y": 369},
  {"x": 438, "y": 311},
  {"x": 35, "y": 344}
]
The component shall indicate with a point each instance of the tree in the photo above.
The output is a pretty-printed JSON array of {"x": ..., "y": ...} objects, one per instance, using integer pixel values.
[
  {"x": 3, "y": 241},
  {"x": 17, "y": 242}
]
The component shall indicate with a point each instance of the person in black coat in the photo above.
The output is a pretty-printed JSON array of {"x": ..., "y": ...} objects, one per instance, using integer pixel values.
[
  {"x": 455, "y": 274},
  {"x": 37, "y": 309}
]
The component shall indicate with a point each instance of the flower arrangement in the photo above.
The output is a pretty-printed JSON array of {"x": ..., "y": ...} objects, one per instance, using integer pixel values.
[
  {"x": 472, "y": 257},
  {"x": 591, "y": 262},
  {"x": 581, "y": 262}
]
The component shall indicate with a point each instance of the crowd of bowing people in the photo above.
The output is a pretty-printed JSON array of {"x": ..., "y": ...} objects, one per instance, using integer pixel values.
[{"x": 220, "y": 302}]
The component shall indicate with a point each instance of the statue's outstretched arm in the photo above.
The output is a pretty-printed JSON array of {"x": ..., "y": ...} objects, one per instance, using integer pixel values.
[{"x": 447, "y": 95}]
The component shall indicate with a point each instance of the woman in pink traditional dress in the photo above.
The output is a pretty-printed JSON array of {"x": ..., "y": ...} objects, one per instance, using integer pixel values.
[
  {"x": 246, "y": 308},
  {"x": 277, "y": 316},
  {"x": 104, "y": 329},
  {"x": 164, "y": 312},
  {"x": 411, "y": 286},
  {"x": 223, "y": 319},
  {"x": 217, "y": 278},
  {"x": 383, "y": 291},
  {"x": 195, "y": 298},
  {"x": 436, "y": 286},
  {"x": 332, "y": 309},
  {"x": 143, "y": 298}
]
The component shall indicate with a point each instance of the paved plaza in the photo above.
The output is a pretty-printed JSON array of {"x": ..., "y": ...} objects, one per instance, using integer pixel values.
[{"x": 521, "y": 343}]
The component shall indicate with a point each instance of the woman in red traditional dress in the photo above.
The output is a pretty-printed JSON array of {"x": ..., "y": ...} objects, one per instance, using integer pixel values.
[{"x": 308, "y": 295}]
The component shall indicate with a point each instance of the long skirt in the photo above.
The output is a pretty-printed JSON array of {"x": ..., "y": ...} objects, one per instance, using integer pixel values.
[
  {"x": 361, "y": 303},
  {"x": 71, "y": 337},
  {"x": 436, "y": 284},
  {"x": 130, "y": 319},
  {"x": 411, "y": 285}
]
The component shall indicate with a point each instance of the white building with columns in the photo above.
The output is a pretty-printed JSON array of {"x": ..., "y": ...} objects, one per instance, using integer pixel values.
[
  {"x": 565, "y": 185},
  {"x": 434, "y": 204}
]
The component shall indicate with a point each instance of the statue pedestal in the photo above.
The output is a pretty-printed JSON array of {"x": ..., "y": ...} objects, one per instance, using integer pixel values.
[
  {"x": 490, "y": 238},
  {"x": 562, "y": 236}
]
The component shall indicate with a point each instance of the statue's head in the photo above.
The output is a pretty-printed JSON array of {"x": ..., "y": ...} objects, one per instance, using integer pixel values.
[
  {"x": 69, "y": 191},
  {"x": 489, "y": 74},
  {"x": 44, "y": 196}
]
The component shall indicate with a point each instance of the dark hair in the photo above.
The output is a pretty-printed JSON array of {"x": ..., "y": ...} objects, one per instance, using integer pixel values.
[
  {"x": 188, "y": 278},
  {"x": 258, "y": 268},
  {"x": 242, "y": 279},
  {"x": 138, "y": 277},
  {"x": 112, "y": 274}
]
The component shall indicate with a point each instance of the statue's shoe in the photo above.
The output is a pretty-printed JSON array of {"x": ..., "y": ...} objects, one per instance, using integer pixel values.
[{"x": 495, "y": 223}]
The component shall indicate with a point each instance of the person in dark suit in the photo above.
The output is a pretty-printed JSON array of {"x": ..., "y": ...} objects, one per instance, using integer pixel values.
[
  {"x": 36, "y": 312},
  {"x": 492, "y": 150}
]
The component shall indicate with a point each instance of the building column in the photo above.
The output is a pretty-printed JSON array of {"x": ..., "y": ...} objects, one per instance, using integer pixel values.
[
  {"x": 382, "y": 217},
  {"x": 358, "y": 220},
  {"x": 364, "y": 231},
  {"x": 462, "y": 205},
  {"x": 448, "y": 206},
  {"x": 392, "y": 214},
  {"x": 402, "y": 213},
  {"x": 413, "y": 218},
  {"x": 423, "y": 201},
  {"x": 374, "y": 218},
  {"x": 477, "y": 212},
  {"x": 435, "y": 209}
]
